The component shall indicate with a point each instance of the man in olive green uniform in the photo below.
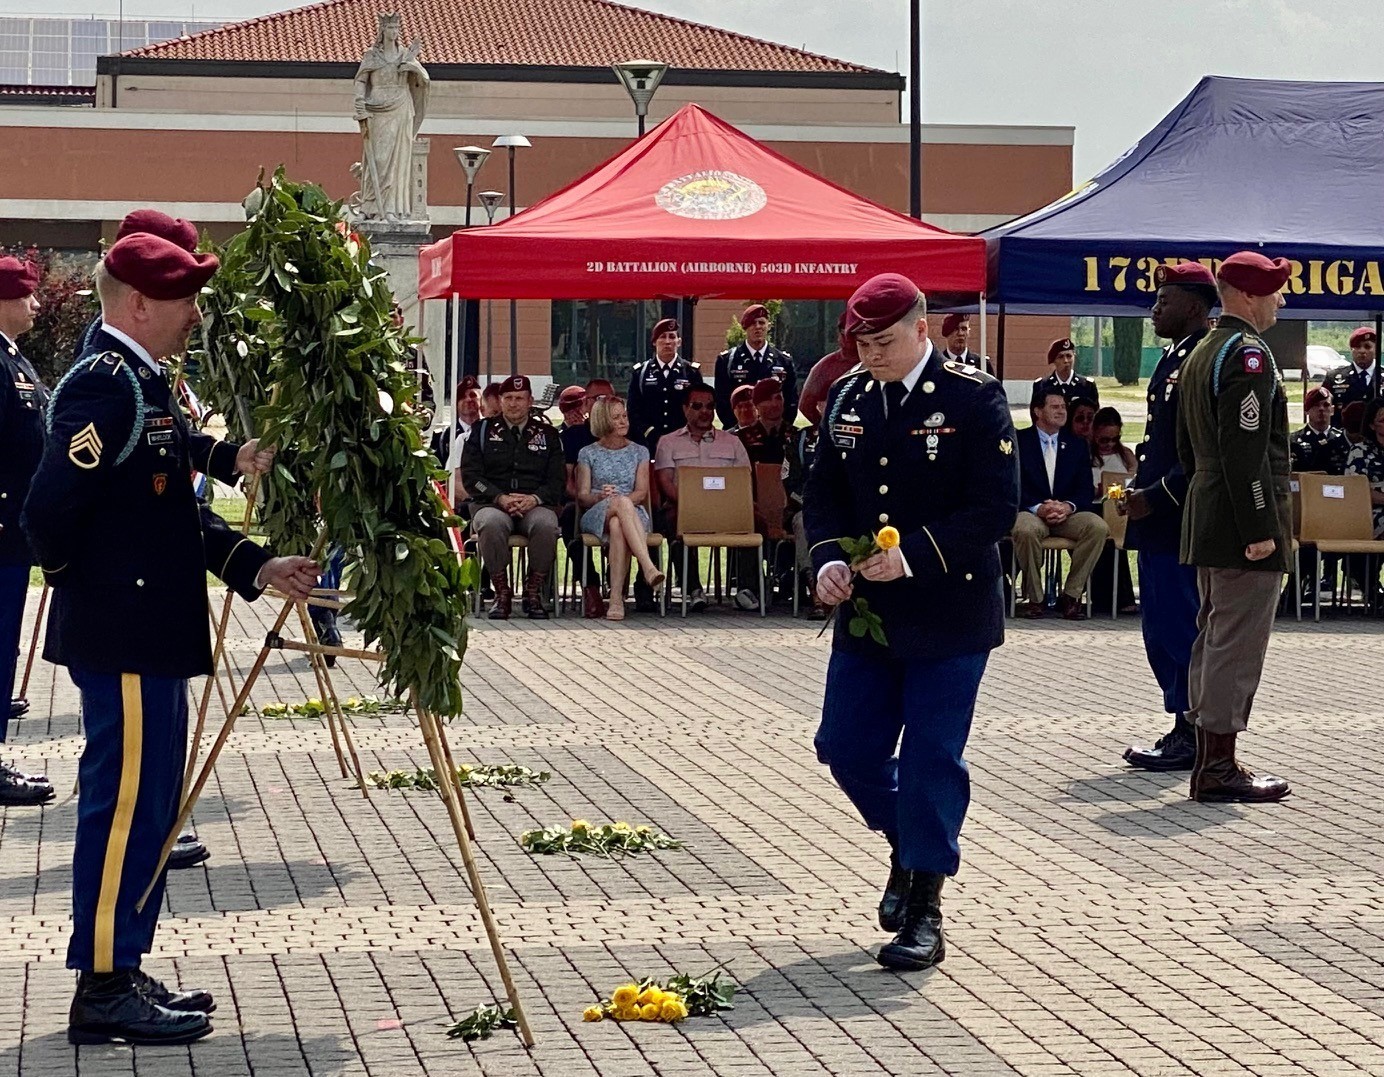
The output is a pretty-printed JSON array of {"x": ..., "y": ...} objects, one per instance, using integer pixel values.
[{"x": 1232, "y": 439}]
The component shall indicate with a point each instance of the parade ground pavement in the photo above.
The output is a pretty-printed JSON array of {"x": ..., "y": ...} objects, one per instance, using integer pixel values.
[{"x": 1102, "y": 923}]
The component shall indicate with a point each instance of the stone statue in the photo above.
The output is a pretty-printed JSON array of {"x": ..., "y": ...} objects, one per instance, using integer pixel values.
[{"x": 391, "y": 101}]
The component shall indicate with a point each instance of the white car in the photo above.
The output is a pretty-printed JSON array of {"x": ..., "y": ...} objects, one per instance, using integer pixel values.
[{"x": 1322, "y": 360}]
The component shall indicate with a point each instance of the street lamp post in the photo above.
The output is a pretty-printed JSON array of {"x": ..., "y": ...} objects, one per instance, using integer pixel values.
[
  {"x": 511, "y": 143},
  {"x": 490, "y": 201},
  {"x": 915, "y": 109},
  {"x": 640, "y": 78},
  {"x": 470, "y": 158}
]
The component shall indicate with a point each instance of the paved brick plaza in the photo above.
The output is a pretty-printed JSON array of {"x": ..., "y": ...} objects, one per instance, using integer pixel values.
[{"x": 1102, "y": 923}]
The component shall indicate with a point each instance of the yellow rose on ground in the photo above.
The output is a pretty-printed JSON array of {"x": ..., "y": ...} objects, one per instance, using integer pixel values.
[
  {"x": 622, "y": 826},
  {"x": 625, "y": 995},
  {"x": 887, "y": 538},
  {"x": 673, "y": 1009},
  {"x": 648, "y": 995},
  {"x": 592, "y": 1013},
  {"x": 649, "y": 1012},
  {"x": 580, "y": 825}
]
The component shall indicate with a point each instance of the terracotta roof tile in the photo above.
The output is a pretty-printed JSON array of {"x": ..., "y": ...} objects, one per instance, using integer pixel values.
[{"x": 564, "y": 33}]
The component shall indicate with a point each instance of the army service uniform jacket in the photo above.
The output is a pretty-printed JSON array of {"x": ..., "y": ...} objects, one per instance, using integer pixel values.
[
  {"x": 1326, "y": 451},
  {"x": 945, "y": 473},
  {"x": 117, "y": 529},
  {"x": 1159, "y": 472},
  {"x": 23, "y": 398},
  {"x": 1232, "y": 439},
  {"x": 655, "y": 399},
  {"x": 1348, "y": 385},
  {"x": 1078, "y": 388},
  {"x": 501, "y": 459},
  {"x": 739, "y": 366}
]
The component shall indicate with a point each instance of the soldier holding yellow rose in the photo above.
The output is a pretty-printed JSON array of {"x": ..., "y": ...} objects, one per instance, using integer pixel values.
[{"x": 918, "y": 453}]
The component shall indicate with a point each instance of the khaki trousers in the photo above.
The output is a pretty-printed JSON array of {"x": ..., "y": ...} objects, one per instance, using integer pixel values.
[
  {"x": 1233, "y": 626},
  {"x": 1086, "y": 529}
]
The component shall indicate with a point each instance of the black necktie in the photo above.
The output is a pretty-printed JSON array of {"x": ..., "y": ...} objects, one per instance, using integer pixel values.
[{"x": 894, "y": 393}]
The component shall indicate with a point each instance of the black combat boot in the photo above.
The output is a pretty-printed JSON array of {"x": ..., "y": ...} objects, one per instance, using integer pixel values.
[
  {"x": 1175, "y": 750},
  {"x": 193, "y": 1000},
  {"x": 533, "y": 596},
  {"x": 504, "y": 597},
  {"x": 111, "y": 1007},
  {"x": 919, "y": 943},
  {"x": 893, "y": 906}
]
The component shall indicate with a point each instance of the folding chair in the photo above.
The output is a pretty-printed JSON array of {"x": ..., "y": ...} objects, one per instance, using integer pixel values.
[
  {"x": 1337, "y": 518},
  {"x": 656, "y": 542},
  {"x": 716, "y": 510},
  {"x": 770, "y": 502},
  {"x": 1053, "y": 549}
]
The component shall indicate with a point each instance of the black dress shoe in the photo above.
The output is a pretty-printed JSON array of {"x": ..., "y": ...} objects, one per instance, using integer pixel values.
[
  {"x": 194, "y": 1000},
  {"x": 645, "y": 605},
  {"x": 919, "y": 943},
  {"x": 1176, "y": 750},
  {"x": 19, "y": 708},
  {"x": 111, "y": 1008},
  {"x": 37, "y": 779},
  {"x": 894, "y": 904},
  {"x": 18, "y": 791},
  {"x": 187, "y": 852}
]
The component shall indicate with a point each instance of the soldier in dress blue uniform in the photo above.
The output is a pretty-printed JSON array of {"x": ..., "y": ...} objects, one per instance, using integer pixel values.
[
  {"x": 751, "y": 361},
  {"x": 22, "y": 400},
  {"x": 1353, "y": 383},
  {"x": 659, "y": 387},
  {"x": 126, "y": 545},
  {"x": 926, "y": 447},
  {"x": 1319, "y": 446},
  {"x": 1064, "y": 378},
  {"x": 1168, "y": 588}
]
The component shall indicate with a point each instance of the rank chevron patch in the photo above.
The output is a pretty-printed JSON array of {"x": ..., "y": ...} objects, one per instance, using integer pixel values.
[{"x": 85, "y": 448}]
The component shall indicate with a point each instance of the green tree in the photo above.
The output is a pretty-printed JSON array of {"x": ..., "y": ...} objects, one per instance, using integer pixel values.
[
  {"x": 299, "y": 307},
  {"x": 735, "y": 334},
  {"x": 66, "y": 306},
  {"x": 1129, "y": 349}
]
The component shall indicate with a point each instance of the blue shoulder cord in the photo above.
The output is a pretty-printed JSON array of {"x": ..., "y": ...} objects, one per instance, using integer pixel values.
[
  {"x": 1230, "y": 344},
  {"x": 83, "y": 365}
]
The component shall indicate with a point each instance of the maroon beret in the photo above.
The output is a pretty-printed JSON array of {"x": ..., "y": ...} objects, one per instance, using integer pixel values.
[
  {"x": 665, "y": 325},
  {"x": 467, "y": 383},
  {"x": 880, "y": 302},
  {"x": 1318, "y": 394},
  {"x": 1253, "y": 273},
  {"x": 765, "y": 388},
  {"x": 741, "y": 392},
  {"x": 573, "y": 394},
  {"x": 159, "y": 268},
  {"x": 1365, "y": 332},
  {"x": 1184, "y": 273},
  {"x": 516, "y": 383},
  {"x": 752, "y": 314},
  {"x": 155, "y": 223},
  {"x": 952, "y": 322},
  {"x": 18, "y": 279},
  {"x": 1063, "y": 345}
]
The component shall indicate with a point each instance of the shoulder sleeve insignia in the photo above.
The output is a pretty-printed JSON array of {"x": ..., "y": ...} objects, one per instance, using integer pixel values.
[
  {"x": 85, "y": 448},
  {"x": 1006, "y": 446},
  {"x": 964, "y": 370},
  {"x": 1253, "y": 359}
]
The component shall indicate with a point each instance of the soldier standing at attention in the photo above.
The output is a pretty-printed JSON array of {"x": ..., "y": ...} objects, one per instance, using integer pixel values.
[
  {"x": 1353, "y": 383},
  {"x": 126, "y": 545},
  {"x": 22, "y": 401},
  {"x": 1167, "y": 587},
  {"x": 751, "y": 361},
  {"x": 1064, "y": 378},
  {"x": 925, "y": 447},
  {"x": 1232, "y": 439},
  {"x": 659, "y": 388}
]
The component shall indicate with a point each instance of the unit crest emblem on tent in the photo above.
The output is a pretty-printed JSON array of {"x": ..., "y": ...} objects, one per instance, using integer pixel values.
[{"x": 711, "y": 195}]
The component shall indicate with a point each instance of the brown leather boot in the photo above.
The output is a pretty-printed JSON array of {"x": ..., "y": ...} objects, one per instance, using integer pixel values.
[
  {"x": 533, "y": 596},
  {"x": 593, "y": 605},
  {"x": 1218, "y": 777},
  {"x": 504, "y": 597}
]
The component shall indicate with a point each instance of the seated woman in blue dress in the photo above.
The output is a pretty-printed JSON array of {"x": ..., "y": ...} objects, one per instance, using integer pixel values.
[{"x": 612, "y": 490}]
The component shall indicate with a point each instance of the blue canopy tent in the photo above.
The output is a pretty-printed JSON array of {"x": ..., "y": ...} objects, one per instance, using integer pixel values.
[{"x": 1294, "y": 169}]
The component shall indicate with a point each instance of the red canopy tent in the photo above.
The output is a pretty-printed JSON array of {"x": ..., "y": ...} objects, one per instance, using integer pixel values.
[{"x": 697, "y": 208}]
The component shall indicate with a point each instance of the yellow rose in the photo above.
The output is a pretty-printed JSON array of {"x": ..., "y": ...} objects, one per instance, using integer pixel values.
[
  {"x": 592, "y": 1013},
  {"x": 625, "y": 995},
  {"x": 648, "y": 995},
  {"x": 580, "y": 826},
  {"x": 673, "y": 1009},
  {"x": 622, "y": 826},
  {"x": 649, "y": 1012},
  {"x": 887, "y": 538}
]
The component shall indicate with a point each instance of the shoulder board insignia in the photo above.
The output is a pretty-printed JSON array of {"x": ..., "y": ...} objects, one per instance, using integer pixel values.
[
  {"x": 964, "y": 370},
  {"x": 695, "y": 366},
  {"x": 853, "y": 370}
]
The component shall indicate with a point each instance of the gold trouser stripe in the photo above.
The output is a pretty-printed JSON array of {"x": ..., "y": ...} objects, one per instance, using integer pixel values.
[{"x": 132, "y": 707}]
